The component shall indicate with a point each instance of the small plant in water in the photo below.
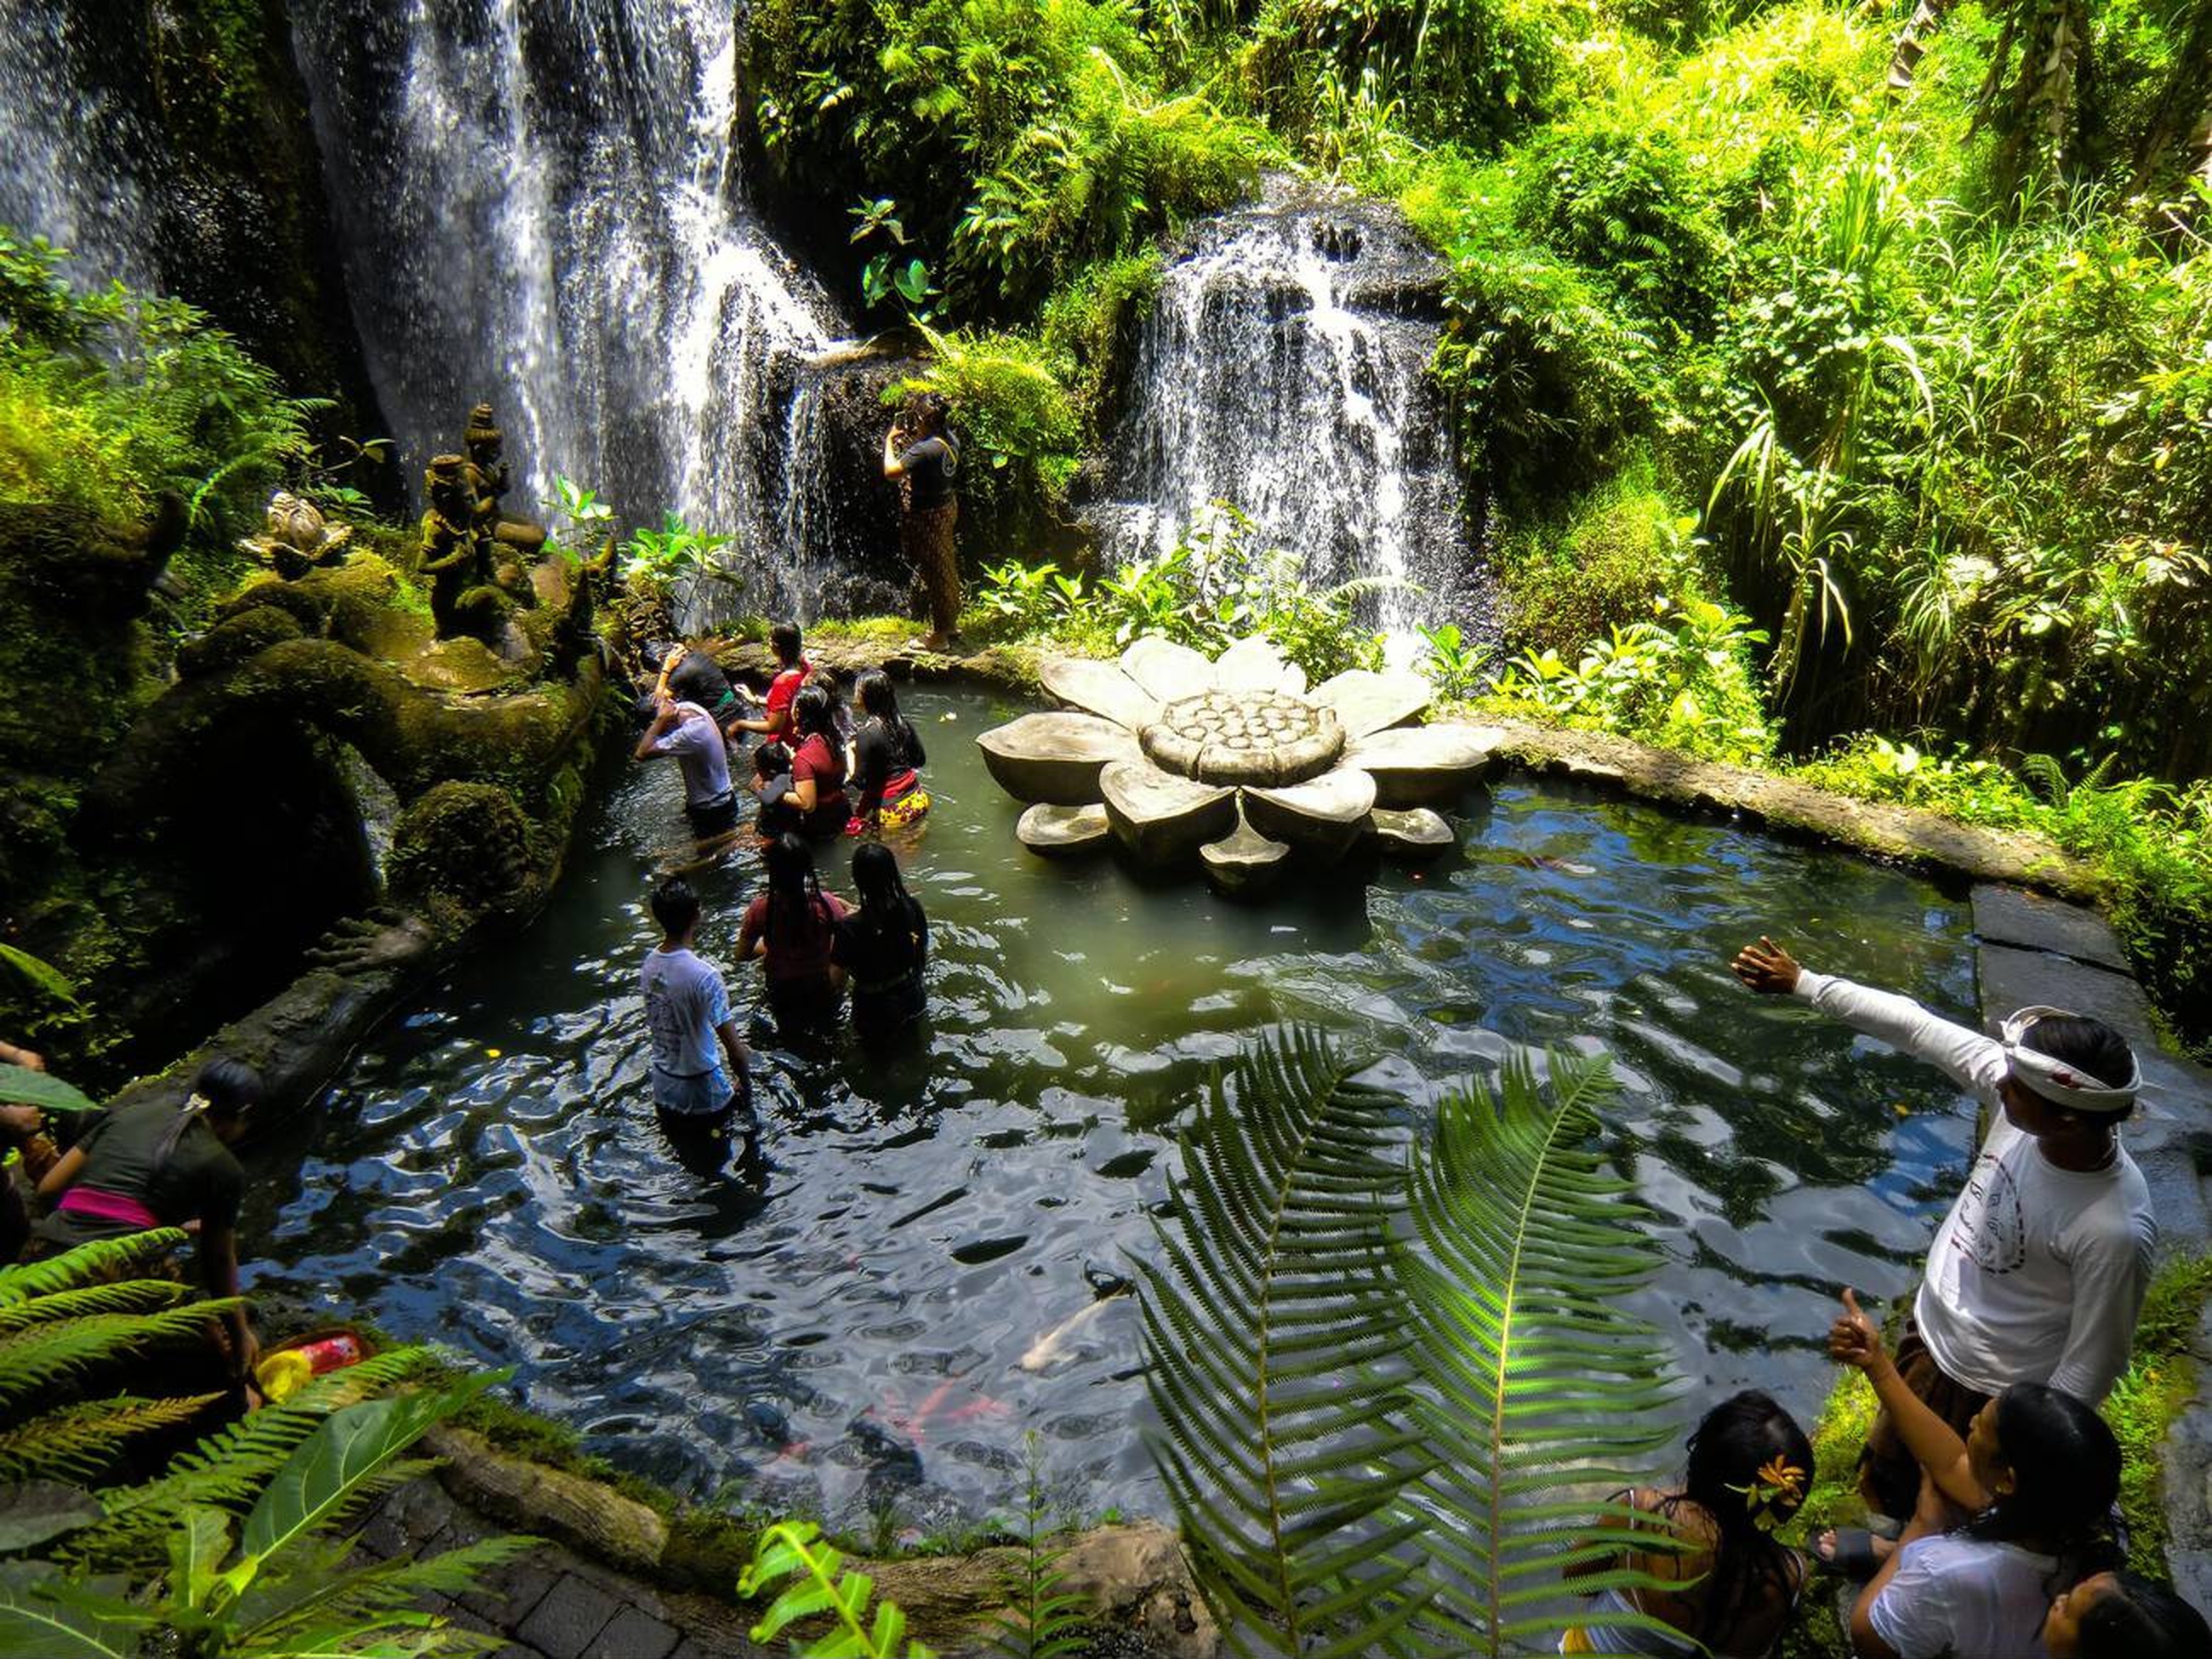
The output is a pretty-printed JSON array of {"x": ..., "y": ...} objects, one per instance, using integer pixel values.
[{"x": 1454, "y": 663}]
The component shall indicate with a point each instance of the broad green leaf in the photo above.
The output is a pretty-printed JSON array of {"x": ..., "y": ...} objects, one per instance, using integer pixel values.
[
  {"x": 31, "y": 1511},
  {"x": 25, "y": 1087},
  {"x": 332, "y": 1465},
  {"x": 39, "y": 1619},
  {"x": 198, "y": 1545},
  {"x": 41, "y": 972}
]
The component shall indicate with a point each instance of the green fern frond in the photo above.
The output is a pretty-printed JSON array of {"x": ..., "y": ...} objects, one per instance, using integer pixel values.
[
  {"x": 794, "y": 1550},
  {"x": 132, "y": 1296},
  {"x": 1539, "y": 1395},
  {"x": 1040, "y": 1619},
  {"x": 309, "y": 1585},
  {"x": 79, "y": 1442},
  {"x": 229, "y": 1468},
  {"x": 1275, "y": 1338},
  {"x": 36, "y": 1358},
  {"x": 88, "y": 1264}
]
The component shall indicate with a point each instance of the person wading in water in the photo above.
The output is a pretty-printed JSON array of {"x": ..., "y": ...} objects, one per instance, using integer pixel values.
[{"x": 921, "y": 453}]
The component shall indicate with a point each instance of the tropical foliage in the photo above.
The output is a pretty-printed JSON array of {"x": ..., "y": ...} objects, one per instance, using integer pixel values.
[
  {"x": 230, "y": 1548},
  {"x": 1215, "y": 586},
  {"x": 110, "y": 398},
  {"x": 1393, "y": 1376}
]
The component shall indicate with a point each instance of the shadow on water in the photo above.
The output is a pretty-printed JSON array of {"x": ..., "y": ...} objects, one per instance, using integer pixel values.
[{"x": 846, "y": 1325}]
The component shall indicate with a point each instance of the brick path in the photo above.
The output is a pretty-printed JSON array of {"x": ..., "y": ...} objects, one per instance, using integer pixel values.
[{"x": 551, "y": 1604}]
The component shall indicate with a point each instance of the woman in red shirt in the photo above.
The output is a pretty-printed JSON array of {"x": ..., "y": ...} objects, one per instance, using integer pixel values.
[
  {"x": 792, "y": 927},
  {"x": 815, "y": 805},
  {"x": 792, "y": 669}
]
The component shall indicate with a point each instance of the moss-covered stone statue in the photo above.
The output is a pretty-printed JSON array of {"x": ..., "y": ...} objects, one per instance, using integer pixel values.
[
  {"x": 486, "y": 449},
  {"x": 456, "y": 557},
  {"x": 296, "y": 537}
]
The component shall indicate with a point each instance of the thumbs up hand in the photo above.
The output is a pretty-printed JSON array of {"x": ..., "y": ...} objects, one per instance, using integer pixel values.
[{"x": 1854, "y": 1339}]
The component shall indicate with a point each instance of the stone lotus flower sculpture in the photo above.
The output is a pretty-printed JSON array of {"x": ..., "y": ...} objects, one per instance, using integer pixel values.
[{"x": 1233, "y": 760}]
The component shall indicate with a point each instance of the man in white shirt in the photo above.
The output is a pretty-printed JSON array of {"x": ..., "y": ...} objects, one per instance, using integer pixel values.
[
  {"x": 2039, "y": 1273},
  {"x": 689, "y": 734}
]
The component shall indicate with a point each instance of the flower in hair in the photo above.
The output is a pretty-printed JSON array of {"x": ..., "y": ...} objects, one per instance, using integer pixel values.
[{"x": 1777, "y": 1487}]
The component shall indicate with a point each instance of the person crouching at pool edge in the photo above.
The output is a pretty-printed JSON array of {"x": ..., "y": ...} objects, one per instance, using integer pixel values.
[{"x": 2038, "y": 1274}]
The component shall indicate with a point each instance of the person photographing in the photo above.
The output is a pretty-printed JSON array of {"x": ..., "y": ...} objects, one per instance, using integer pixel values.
[{"x": 921, "y": 455}]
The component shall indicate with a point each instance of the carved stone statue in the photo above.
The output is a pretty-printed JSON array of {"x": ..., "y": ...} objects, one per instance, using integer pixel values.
[
  {"x": 295, "y": 539},
  {"x": 455, "y": 556},
  {"x": 491, "y": 478}
]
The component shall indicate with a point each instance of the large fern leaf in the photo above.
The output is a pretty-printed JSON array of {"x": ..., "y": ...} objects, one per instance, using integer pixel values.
[
  {"x": 88, "y": 1264},
  {"x": 1538, "y": 1395},
  {"x": 229, "y": 1468},
  {"x": 1272, "y": 1336},
  {"x": 35, "y": 1357},
  {"x": 130, "y": 1296},
  {"x": 80, "y": 1442}
]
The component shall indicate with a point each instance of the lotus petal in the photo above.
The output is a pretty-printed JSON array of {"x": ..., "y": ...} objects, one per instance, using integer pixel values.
[
  {"x": 1054, "y": 756},
  {"x": 1244, "y": 860},
  {"x": 1292, "y": 682},
  {"x": 1426, "y": 765},
  {"x": 1367, "y": 701},
  {"x": 1324, "y": 814},
  {"x": 1165, "y": 670},
  {"x": 1416, "y": 834},
  {"x": 1100, "y": 688},
  {"x": 1252, "y": 664},
  {"x": 1057, "y": 831},
  {"x": 1162, "y": 818}
]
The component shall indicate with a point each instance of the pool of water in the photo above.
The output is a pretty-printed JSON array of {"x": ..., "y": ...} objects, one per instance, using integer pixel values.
[{"x": 848, "y": 1333}]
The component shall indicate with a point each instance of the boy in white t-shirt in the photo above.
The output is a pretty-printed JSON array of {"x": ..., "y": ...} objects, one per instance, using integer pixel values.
[
  {"x": 688, "y": 1014},
  {"x": 2038, "y": 1272}
]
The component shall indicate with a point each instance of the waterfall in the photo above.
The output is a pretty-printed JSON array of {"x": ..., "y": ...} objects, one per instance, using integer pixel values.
[
  {"x": 541, "y": 204},
  {"x": 72, "y": 155},
  {"x": 1283, "y": 369}
]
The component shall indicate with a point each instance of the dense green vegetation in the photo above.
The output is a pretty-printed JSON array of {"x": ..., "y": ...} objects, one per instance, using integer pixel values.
[{"x": 1828, "y": 372}]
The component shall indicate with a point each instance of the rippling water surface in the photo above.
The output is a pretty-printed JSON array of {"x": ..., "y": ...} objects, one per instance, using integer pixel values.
[{"x": 848, "y": 1334}]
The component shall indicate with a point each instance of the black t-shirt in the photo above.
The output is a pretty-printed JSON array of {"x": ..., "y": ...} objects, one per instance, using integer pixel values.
[
  {"x": 930, "y": 466},
  {"x": 879, "y": 956},
  {"x": 878, "y": 753},
  {"x": 199, "y": 1178},
  {"x": 699, "y": 678}
]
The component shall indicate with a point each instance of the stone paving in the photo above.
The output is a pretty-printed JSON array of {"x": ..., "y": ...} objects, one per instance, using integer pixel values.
[{"x": 552, "y": 1603}]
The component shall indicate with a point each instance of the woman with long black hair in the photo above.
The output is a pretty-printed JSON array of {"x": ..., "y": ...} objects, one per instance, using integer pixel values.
[
  {"x": 887, "y": 760},
  {"x": 884, "y": 945},
  {"x": 2034, "y": 1478},
  {"x": 1749, "y": 1468},
  {"x": 793, "y": 927},
  {"x": 815, "y": 805}
]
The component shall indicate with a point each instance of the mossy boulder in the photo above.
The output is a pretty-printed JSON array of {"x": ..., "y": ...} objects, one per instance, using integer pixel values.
[
  {"x": 467, "y": 845},
  {"x": 236, "y": 640}
]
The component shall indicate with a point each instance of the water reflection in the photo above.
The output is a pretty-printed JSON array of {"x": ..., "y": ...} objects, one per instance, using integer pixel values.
[{"x": 845, "y": 1326}]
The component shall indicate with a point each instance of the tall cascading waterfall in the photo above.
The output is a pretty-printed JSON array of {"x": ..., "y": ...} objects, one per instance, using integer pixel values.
[
  {"x": 542, "y": 205},
  {"x": 1283, "y": 369},
  {"x": 71, "y": 158}
]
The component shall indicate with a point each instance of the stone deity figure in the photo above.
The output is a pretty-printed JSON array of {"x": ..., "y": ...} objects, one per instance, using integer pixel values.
[
  {"x": 454, "y": 554},
  {"x": 492, "y": 477}
]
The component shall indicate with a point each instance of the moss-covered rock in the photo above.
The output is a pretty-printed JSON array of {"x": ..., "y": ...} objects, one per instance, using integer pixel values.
[
  {"x": 463, "y": 844},
  {"x": 236, "y": 640}
]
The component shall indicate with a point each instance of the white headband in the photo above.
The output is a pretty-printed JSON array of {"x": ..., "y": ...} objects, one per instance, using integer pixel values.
[{"x": 2054, "y": 1079}]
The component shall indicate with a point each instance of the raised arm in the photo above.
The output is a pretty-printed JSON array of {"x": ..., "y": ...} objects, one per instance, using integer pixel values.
[
  {"x": 1934, "y": 1444},
  {"x": 1974, "y": 1062},
  {"x": 664, "y": 717}
]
